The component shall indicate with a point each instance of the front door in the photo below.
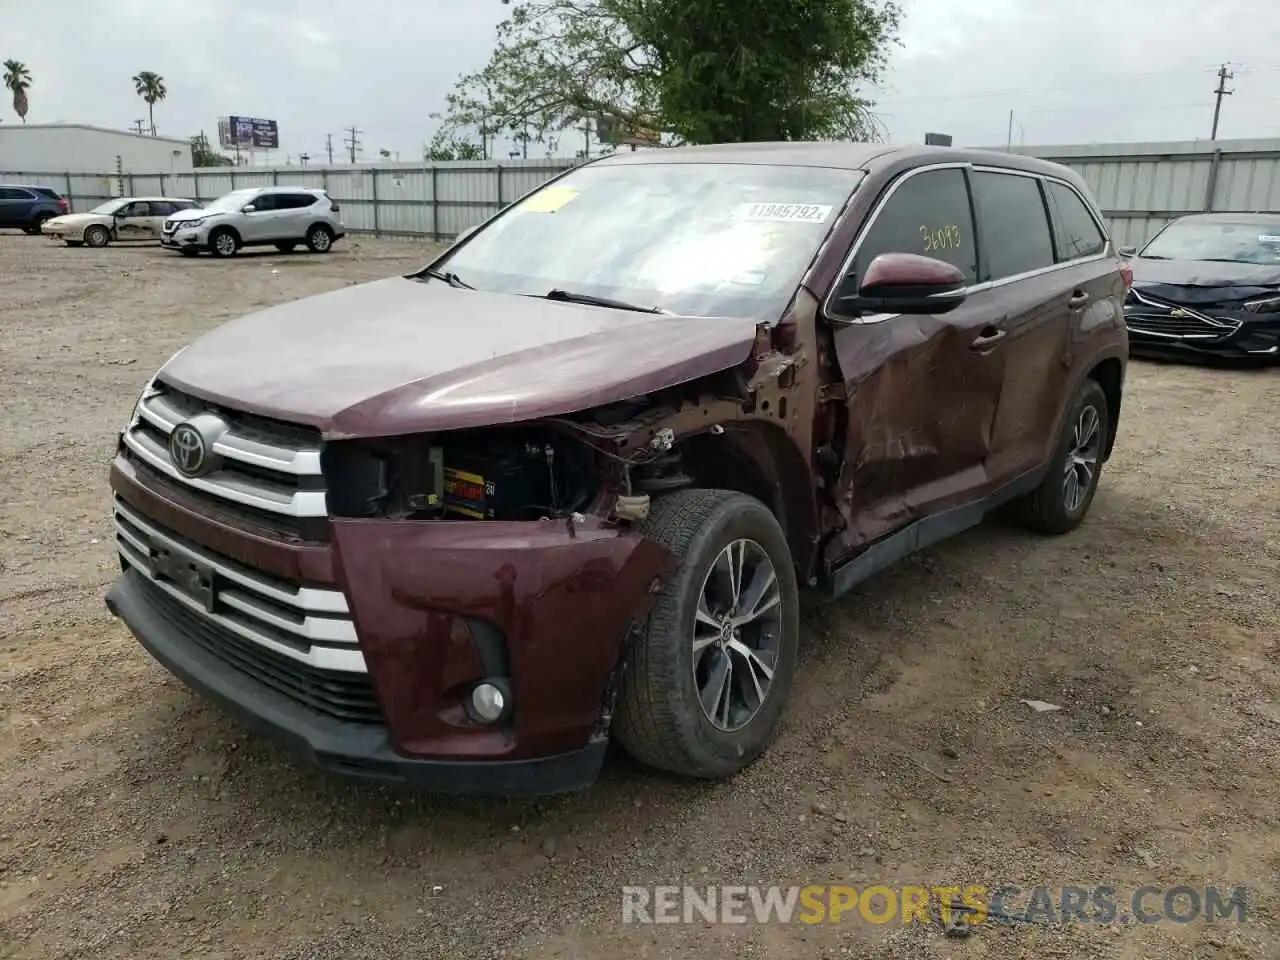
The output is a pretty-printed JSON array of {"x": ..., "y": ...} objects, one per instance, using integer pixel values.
[
  {"x": 259, "y": 223},
  {"x": 134, "y": 222},
  {"x": 922, "y": 391}
]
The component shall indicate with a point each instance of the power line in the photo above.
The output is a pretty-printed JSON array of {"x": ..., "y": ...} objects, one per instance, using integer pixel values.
[
  {"x": 352, "y": 142},
  {"x": 1223, "y": 76}
]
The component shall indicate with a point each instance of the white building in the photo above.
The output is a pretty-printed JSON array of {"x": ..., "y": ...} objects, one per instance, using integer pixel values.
[{"x": 81, "y": 148}]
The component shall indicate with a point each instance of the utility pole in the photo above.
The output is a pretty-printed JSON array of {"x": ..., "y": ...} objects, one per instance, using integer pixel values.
[
  {"x": 353, "y": 142},
  {"x": 138, "y": 126},
  {"x": 1008, "y": 142},
  {"x": 1223, "y": 76},
  {"x": 328, "y": 145}
]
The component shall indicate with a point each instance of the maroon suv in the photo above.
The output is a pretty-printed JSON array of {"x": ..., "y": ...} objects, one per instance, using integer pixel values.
[{"x": 460, "y": 528}]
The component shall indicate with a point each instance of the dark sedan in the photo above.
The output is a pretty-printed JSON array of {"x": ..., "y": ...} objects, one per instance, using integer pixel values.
[{"x": 1209, "y": 286}]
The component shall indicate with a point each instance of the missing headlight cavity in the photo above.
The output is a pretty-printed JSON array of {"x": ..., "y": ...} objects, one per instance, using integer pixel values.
[{"x": 509, "y": 474}]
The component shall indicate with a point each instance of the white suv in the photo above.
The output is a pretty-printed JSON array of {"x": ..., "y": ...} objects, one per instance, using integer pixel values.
[{"x": 281, "y": 216}]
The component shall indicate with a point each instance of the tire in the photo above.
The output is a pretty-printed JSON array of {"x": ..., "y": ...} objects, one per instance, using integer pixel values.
[
  {"x": 319, "y": 238},
  {"x": 1051, "y": 508},
  {"x": 286, "y": 247},
  {"x": 223, "y": 242},
  {"x": 660, "y": 719},
  {"x": 97, "y": 236}
]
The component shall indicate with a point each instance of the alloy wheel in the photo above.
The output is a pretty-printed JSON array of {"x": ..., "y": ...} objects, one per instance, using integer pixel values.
[
  {"x": 736, "y": 635},
  {"x": 1082, "y": 460}
]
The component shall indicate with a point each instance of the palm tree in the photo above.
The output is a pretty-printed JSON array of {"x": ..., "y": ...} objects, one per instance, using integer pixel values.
[
  {"x": 150, "y": 87},
  {"x": 17, "y": 78}
]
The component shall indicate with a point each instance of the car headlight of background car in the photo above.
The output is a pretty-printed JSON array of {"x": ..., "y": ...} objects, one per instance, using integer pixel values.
[
  {"x": 1264, "y": 305},
  {"x": 190, "y": 224}
]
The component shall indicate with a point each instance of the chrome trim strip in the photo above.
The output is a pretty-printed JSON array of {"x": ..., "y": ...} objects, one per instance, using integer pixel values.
[
  {"x": 161, "y": 413},
  {"x": 338, "y": 659},
  {"x": 299, "y": 503},
  {"x": 313, "y": 599},
  {"x": 977, "y": 287}
]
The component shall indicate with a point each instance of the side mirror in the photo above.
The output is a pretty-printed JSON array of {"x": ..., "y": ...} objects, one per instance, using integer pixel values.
[
  {"x": 903, "y": 283},
  {"x": 1128, "y": 251},
  {"x": 248, "y": 208}
]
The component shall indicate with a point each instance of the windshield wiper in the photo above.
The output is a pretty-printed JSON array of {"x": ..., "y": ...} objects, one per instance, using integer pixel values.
[
  {"x": 568, "y": 296},
  {"x": 449, "y": 277}
]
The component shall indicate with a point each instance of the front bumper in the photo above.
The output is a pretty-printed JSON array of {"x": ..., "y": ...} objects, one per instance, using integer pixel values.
[
  {"x": 1256, "y": 339},
  {"x": 429, "y": 601},
  {"x": 351, "y": 750}
]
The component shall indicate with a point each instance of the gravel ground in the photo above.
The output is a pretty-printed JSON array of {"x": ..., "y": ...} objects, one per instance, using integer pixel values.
[{"x": 138, "y": 822}]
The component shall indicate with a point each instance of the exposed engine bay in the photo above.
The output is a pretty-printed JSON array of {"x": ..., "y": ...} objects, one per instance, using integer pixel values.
[{"x": 508, "y": 474}]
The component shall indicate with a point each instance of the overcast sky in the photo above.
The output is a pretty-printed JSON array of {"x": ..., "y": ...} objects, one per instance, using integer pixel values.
[{"x": 1073, "y": 71}]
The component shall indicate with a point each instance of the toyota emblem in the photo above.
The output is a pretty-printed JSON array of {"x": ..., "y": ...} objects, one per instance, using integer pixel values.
[{"x": 187, "y": 449}]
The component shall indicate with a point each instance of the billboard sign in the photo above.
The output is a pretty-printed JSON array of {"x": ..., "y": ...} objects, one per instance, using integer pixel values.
[{"x": 249, "y": 133}]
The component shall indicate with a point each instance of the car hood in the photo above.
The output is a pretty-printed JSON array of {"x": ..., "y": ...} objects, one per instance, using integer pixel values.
[
  {"x": 192, "y": 214},
  {"x": 70, "y": 221},
  {"x": 402, "y": 356},
  {"x": 1201, "y": 281}
]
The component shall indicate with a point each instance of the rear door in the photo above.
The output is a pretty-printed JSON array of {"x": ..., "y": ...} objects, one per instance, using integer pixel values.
[
  {"x": 1023, "y": 285},
  {"x": 922, "y": 390},
  {"x": 296, "y": 215}
]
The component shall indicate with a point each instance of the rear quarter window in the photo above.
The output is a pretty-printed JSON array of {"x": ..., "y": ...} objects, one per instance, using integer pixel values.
[{"x": 1077, "y": 232}]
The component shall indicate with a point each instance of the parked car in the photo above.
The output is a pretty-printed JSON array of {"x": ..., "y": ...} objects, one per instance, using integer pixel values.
[
  {"x": 24, "y": 207},
  {"x": 462, "y": 527},
  {"x": 283, "y": 217},
  {"x": 1208, "y": 285},
  {"x": 122, "y": 219}
]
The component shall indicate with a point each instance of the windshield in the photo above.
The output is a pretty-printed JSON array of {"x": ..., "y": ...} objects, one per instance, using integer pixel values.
[
  {"x": 1237, "y": 242},
  {"x": 697, "y": 239},
  {"x": 230, "y": 201},
  {"x": 108, "y": 208}
]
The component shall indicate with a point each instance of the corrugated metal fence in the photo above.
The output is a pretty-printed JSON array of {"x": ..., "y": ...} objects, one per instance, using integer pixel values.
[
  {"x": 1140, "y": 186},
  {"x": 401, "y": 200}
]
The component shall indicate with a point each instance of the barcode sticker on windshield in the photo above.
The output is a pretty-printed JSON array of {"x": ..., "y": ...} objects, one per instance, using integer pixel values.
[
  {"x": 783, "y": 212},
  {"x": 1268, "y": 238}
]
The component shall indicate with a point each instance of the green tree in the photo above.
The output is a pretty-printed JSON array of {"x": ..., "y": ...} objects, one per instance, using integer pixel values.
[
  {"x": 150, "y": 87},
  {"x": 447, "y": 146},
  {"x": 701, "y": 71},
  {"x": 203, "y": 155},
  {"x": 17, "y": 78}
]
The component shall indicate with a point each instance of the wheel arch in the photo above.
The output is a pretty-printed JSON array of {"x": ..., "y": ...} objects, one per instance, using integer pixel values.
[
  {"x": 757, "y": 458},
  {"x": 1108, "y": 373}
]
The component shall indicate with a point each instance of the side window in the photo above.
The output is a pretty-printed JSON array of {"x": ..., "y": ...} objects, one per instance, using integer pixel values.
[
  {"x": 263, "y": 202},
  {"x": 300, "y": 201},
  {"x": 1015, "y": 227},
  {"x": 1077, "y": 232},
  {"x": 928, "y": 215},
  {"x": 128, "y": 210},
  {"x": 140, "y": 209},
  {"x": 161, "y": 208},
  {"x": 13, "y": 193}
]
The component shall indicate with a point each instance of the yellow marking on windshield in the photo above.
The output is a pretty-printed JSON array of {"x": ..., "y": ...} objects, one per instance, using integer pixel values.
[{"x": 549, "y": 200}]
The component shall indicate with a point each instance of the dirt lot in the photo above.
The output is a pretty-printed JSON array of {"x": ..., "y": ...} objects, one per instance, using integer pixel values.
[{"x": 137, "y": 822}]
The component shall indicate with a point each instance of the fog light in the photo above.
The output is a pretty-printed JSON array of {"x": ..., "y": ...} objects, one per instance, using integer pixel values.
[{"x": 489, "y": 702}]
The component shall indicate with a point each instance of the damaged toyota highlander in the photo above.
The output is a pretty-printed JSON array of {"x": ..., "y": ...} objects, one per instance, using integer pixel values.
[{"x": 566, "y": 484}]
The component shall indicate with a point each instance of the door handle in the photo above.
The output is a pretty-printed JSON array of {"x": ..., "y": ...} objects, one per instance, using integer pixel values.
[
  {"x": 989, "y": 337},
  {"x": 1078, "y": 300}
]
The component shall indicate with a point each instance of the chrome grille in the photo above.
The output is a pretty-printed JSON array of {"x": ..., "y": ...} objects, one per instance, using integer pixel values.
[
  {"x": 259, "y": 468},
  {"x": 310, "y": 626},
  {"x": 1154, "y": 317}
]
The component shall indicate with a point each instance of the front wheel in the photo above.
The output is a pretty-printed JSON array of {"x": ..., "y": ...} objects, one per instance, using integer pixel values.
[
  {"x": 706, "y": 682},
  {"x": 97, "y": 236},
  {"x": 1064, "y": 496},
  {"x": 223, "y": 243}
]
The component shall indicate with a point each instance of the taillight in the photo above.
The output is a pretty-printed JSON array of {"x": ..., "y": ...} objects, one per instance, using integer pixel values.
[{"x": 63, "y": 206}]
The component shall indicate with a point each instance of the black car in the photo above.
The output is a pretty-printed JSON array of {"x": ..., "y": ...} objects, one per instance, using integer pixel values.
[
  {"x": 1208, "y": 285},
  {"x": 24, "y": 207}
]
